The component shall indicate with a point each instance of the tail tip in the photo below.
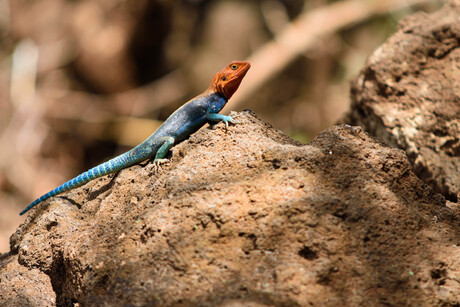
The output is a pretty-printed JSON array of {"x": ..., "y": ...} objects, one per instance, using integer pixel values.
[{"x": 26, "y": 209}]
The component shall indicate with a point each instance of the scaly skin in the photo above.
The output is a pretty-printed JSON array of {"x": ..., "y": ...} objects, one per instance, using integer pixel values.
[{"x": 180, "y": 125}]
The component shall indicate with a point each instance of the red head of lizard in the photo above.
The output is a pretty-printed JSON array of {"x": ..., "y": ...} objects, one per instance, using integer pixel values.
[{"x": 228, "y": 80}]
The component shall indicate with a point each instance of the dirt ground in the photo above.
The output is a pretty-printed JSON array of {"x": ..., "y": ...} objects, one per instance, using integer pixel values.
[{"x": 250, "y": 217}]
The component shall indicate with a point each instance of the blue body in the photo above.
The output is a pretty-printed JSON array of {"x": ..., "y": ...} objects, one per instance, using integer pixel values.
[{"x": 179, "y": 126}]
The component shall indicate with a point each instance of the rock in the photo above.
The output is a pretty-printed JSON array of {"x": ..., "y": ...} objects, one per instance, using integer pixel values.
[
  {"x": 22, "y": 286},
  {"x": 247, "y": 217},
  {"x": 408, "y": 95}
]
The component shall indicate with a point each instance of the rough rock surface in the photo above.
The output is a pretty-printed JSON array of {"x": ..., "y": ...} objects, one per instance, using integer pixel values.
[
  {"x": 408, "y": 95},
  {"x": 22, "y": 286},
  {"x": 245, "y": 217}
]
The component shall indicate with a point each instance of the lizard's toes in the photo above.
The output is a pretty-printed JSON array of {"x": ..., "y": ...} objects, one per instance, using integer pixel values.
[
  {"x": 234, "y": 115},
  {"x": 157, "y": 165},
  {"x": 158, "y": 162}
]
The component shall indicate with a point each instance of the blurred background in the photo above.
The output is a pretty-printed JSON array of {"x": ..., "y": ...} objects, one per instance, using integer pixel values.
[{"x": 82, "y": 81}]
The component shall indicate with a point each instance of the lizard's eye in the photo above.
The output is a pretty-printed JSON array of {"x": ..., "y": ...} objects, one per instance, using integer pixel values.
[
  {"x": 224, "y": 78},
  {"x": 234, "y": 66}
]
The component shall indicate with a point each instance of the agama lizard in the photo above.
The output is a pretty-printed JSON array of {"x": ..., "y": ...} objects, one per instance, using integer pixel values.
[{"x": 180, "y": 125}]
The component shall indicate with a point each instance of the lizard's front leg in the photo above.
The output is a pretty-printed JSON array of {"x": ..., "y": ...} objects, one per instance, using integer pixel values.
[{"x": 216, "y": 117}]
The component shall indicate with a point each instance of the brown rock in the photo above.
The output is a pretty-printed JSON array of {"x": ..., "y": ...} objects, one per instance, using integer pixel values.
[
  {"x": 408, "y": 95},
  {"x": 22, "y": 286},
  {"x": 247, "y": 217}
]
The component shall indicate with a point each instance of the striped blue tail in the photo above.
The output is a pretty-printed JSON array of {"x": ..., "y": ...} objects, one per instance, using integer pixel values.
[{"x": 125, "y": 160}]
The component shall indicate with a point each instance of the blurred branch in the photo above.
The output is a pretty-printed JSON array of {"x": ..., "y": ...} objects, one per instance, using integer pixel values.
[
  {"x": 22, "y": 137},
  {"x": 303, "y": 34},
  {"x": 162, "y": 92},
  {"x": 23, "y": 73},
  {"x": 135, "y": 102}
]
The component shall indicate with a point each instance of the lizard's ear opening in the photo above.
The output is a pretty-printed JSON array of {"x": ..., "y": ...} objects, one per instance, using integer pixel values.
[
  {"x": 215, "y": 81},
  {"x": 224, "y": 78}
]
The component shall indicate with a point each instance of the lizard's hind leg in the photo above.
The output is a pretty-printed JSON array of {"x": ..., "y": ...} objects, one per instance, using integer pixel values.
[{"x": 168, "y": 142}]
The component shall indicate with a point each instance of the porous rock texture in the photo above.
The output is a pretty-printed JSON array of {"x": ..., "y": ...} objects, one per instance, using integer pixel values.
[
  {"x": 408, "y": 95},
  {"x": 246, "y": 217}
]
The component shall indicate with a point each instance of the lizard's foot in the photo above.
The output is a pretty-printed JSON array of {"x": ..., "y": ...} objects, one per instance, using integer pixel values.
[
  {"x": 156, "y": 165},
  {"x": 230, "y": 119},
  {"x": 158, "y": 162},
  {"x": 234, "y": 115}
]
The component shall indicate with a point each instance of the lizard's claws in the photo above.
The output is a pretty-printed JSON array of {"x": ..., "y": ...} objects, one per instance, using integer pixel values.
[
  {"x": 156, "y": 165},
  {"x": 231, "y": 119},
  {"x": 158, "y": 162},
  {"x": 233, "y": 116}
]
